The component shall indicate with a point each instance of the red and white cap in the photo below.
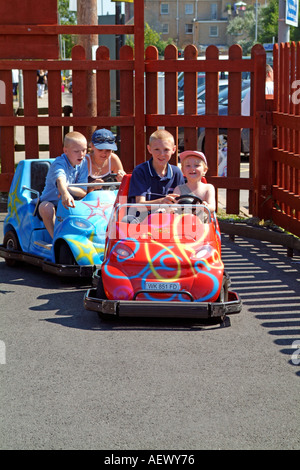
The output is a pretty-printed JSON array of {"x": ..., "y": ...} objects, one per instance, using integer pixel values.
[{"x": 192, "y": 153}]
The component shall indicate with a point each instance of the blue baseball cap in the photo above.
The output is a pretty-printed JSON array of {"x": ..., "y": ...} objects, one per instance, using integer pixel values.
[{"x": 104, "y": 139}]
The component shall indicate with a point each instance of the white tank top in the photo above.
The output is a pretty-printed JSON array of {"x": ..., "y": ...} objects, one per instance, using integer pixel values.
[{"x": 94, "y": 177}]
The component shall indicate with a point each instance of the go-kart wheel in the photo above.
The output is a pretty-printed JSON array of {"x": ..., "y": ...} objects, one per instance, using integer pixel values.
[
  {"x": 188, "y": 199},
  {"x": 223, "y": 296},
  {"x": 65, "y": 255},
  {"x": 100, "y": 294},
  {"x": 11, "y": 242},
  {"x": 100, "y": 290}
]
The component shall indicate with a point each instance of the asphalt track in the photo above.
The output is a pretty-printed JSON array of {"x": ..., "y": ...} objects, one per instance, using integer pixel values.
[{"x": 72, "y": 381}]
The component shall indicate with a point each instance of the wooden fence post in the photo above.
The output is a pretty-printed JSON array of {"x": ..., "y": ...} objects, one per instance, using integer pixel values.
[
  {"x": 190, "y": 98},
  {"x": 139, "y": 67},
  {"x": 171, "y": 95},
  {"x": 54, "y": 107},
  {"x": 79, "y": 90},
  {"x": 87, "y": 15},
  {"x": 234, "y": 135},
  {"x": 263, "y": 128},
  {"x": 211, "y": 108},
  {"x": 127, "y": 109},
  {"x": 31, "y": 110},
  {"x": 6, "y": 133},
  {"x": 151, "y": 93}
]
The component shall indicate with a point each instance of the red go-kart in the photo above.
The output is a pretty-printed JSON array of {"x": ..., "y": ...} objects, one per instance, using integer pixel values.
[{"x": 162, "y": 261}]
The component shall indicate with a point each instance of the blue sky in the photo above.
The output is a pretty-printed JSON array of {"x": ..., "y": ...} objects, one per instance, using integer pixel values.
[{"x": 104, "y": 6}]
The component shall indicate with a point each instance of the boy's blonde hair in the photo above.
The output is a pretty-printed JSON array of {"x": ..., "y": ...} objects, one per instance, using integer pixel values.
[
  {"x": 161, "y": 134},
  {"x": 72, "y": 137}
]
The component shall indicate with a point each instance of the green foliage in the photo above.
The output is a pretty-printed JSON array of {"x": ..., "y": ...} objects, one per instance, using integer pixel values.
[
  {"x": 151, "y": 38},
  {"x": 267, "y": 26},
  {"x": 67, "y": 17},
  {"x": 244, "y": 26},
  {"x": 269, "y": 22}
]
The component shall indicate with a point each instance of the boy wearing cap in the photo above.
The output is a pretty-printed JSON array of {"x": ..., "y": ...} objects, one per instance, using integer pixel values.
[
  {"x": 194, "y": 167},
  {"x": 102, "y": 161},
  {"x": 155, "y": 179},
  {"x": 68, "y": 168}
]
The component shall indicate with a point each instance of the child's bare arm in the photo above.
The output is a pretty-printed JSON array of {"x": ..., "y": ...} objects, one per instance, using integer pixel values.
[
  {"x": 168, "y": 199},
  {"x": 66, "y": 197},
  {"x": 210, "y": 199},
  {"x": 77, "y": 191}
]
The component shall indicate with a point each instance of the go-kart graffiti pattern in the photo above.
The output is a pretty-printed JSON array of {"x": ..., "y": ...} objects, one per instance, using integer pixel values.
[
  {"x": 87, "y": 231},
  {"x": 169, "y": 265},
  {"x": 82, "y": 228}
]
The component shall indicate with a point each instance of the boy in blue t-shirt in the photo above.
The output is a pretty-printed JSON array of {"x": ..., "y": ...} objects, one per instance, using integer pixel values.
[
  {"x": 70, "y": 167},
  {"x": 155, "y": 179}
]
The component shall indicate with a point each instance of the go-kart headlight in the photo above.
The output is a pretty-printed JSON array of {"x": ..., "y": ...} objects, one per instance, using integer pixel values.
[
  {"x": 81, "y": 224},
  {"x": 123, "y": 252},
  {"x": 203, "y": 253}
]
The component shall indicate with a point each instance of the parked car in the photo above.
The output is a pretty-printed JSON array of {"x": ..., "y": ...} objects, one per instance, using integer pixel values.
[
  {"x": 180, "y": 81},
  {"x": 200, "y": 82},
  {"x": 168, "y": 265},
  {"x": 201, "y": 92},
  {"x": 77, "y": 247},
  {"x": 223, "y": 110}
]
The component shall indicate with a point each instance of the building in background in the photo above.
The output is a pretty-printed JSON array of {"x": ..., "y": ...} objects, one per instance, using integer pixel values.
[{"x": 198, "y": 22}]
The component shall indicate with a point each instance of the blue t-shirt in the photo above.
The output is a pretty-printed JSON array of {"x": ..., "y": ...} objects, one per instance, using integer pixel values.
[
  {"x": 146, "y": 182},
  {"x": 62, "y": 167}
]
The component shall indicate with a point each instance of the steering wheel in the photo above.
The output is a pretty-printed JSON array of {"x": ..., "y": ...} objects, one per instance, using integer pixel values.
[
  {"x": 188, "y": 199},
  {"x": 110, "y": 178}
]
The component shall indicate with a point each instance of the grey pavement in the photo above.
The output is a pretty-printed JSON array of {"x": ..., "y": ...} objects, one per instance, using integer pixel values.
[{"x": 71, "y": 381}]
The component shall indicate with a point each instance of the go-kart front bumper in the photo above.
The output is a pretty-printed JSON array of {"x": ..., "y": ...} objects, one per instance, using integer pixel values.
[
  {"x": 137, "y": 308},
  {"x": 63, "y": 270}
]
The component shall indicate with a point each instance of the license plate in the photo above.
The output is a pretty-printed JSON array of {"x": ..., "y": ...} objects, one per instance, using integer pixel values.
[{"x": 161, "y": 286}]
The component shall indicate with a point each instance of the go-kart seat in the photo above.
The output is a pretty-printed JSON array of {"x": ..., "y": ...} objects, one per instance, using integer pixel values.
[
  {"x": 123, "y": 188},
  {"x": 38, "y": 173}
]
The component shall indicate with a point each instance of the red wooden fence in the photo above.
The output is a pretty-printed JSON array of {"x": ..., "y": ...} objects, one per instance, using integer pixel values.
[
  {"x": 191, "y": 121},
  {"x": 285, "y": 155},
  {"x": 130, "y": 122},
  {"x": 273, "y": 172}
]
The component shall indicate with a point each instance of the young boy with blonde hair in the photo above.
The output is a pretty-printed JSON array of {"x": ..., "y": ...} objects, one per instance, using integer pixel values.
[
  {"x": 70, "y": 167},
  {"x": 155, "y": 179},
  {"x": 194, "y": 167}
]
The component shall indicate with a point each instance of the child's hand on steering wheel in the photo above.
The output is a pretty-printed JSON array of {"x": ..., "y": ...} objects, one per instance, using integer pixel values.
[{"x": 170, "y": 199}]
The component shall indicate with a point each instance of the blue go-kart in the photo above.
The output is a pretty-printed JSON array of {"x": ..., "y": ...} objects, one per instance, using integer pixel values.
[{"x": 77, "y": 248}]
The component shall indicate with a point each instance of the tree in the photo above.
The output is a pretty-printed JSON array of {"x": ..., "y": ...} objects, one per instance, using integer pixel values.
[
  {"x": 245, "y": 28},
  {"x": 267, "y": 27},
  {"x": 151, "y": 38},
  {"x": 269, "y": 21}
]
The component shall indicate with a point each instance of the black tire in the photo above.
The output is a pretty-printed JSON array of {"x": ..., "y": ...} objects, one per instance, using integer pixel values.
[
  {"x": 65, "y": 255},
  {"x": 223, "y": 296},
  {"x": 11, "y": 242},
  {"x": 100, "y": 293}
]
